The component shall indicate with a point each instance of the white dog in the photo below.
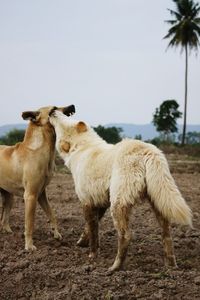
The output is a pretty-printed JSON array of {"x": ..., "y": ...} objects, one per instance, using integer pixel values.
[{"x": 117, "y": 176}]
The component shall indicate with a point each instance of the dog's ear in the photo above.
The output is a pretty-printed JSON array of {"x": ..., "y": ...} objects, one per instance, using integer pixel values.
[
  {"x": 69, "y": 110},
  {"x": 30, "y": 115},
  {"x": 65, "y": 146},
  {"x": 81, "y": 127}
]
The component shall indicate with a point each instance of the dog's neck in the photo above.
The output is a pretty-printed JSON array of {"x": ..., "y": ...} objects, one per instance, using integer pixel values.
[
  {"x": 36, "y": 136},
  {"x": 88, "y": 138},
  {"x": 81, "y": 143},
  {"x": 81, "y": 146}
]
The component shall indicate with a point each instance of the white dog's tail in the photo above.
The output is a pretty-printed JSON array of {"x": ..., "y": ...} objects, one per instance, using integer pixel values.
[{"x": 163, "y": 191}]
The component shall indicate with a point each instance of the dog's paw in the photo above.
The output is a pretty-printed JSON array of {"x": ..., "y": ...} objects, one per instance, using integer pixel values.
[
  {"x": 170, "y": 262},
  {"x": 57, "y": 235},
  {"x": 30, "y": 248},
  {"x": 117, "y": 265},
  {"x": 6, "y": 229},
  {"x": 111, "y": 270},
  {"x": 83, "y": 242},
  {"x": 92, "y": 255}
]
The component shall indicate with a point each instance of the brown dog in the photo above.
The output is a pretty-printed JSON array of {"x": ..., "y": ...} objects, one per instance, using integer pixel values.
[{"x": 26, "y": 169}]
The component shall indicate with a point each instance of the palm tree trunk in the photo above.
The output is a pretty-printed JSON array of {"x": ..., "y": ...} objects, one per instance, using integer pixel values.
[{"x": 186, "y": 91}]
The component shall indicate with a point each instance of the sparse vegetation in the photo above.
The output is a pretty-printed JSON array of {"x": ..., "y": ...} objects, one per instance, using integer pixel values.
[
  {"x": 109, "y": 134},
  {"x": 12, "y": 137}
]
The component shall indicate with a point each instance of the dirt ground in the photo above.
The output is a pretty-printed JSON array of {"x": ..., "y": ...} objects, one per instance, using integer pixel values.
[{"x": 62, "y": 270}]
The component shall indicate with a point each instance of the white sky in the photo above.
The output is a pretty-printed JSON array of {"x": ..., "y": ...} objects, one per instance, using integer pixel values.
[{"x": 105, "y": 56}]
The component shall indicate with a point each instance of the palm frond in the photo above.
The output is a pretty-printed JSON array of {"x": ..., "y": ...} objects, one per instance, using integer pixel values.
[
  {"x": 175, "y": 14},
  {"x": 194, "y": 41},
  {"x": 172, "y": 22},
  {"x": 195, "y": 10},
  {"x": 185, "y": 29},
  {"x": 197, "y": 20},
  {"x": 196, "y": 28},
  {"x": 173, "y": 42}
]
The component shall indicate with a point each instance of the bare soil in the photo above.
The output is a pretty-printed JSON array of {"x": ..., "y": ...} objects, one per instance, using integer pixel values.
[{"x": 62, "y": 270}]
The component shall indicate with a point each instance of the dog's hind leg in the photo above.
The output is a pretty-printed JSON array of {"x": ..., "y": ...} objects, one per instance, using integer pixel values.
[
  {"x": 84, "y": 238},
  {"x": 44, "y": 203},
  {"x": 170, "y": 259},
  {"x": 120, "y": 214},
  {"x": 7, "y": 202}
]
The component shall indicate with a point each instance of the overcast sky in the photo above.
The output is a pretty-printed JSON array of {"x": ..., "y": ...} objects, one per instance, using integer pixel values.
[{"x": 107, "y": 57}]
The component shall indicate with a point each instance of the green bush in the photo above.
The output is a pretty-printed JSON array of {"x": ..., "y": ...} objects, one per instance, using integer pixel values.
[
  {"x": 12, "y": 137},
  {"x": 110, "y": 134}
]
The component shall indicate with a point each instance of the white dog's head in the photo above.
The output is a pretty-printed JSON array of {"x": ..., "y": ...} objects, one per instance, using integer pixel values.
[{"x": 68, "y": 131}]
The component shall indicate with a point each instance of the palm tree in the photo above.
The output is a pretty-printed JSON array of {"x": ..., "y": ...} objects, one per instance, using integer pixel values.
[{"x": 184, "y": 32}]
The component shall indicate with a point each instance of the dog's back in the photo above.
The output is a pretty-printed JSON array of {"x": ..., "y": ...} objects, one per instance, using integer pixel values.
[
  {"x": 128, "y": 171},
  {"x": 141, "y": 169}
]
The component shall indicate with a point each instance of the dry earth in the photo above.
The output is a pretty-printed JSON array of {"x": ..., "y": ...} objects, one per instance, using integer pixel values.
[{"x": 61, "y": 270}]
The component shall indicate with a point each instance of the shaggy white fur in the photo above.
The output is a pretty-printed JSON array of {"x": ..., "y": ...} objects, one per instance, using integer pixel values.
[{"x": 118, "y": 175}]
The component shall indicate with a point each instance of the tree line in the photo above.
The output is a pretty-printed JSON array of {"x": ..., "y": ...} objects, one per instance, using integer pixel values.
[{"x": 164, "y": 119}]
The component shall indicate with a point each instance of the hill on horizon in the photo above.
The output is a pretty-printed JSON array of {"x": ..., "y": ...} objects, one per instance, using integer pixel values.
[
  {"x": 147, "y": 131},
  {"x": 6, "y": 128}
]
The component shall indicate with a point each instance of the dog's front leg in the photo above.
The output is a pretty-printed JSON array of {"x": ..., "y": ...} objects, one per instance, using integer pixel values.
[
  {"x": 84, "y": 238},
  {"x": 91, "y": 217},
  {"x": 44, "y": 203},
  {"x": 30, "y": 206}
]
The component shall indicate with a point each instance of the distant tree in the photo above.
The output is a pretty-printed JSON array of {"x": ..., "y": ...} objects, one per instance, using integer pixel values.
[
  {"x": 184, "y": 32},
  {"x": 109, "y": 134},
  {"x": 165, "y": 118},
  {"x": 156, "y": 141},
  {"x": 138, "y": 137},
  {"x": 12, "y": 137}
]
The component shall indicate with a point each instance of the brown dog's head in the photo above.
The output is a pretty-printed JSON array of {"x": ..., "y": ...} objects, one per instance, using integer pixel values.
[{"x": 40, "y": 117}]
